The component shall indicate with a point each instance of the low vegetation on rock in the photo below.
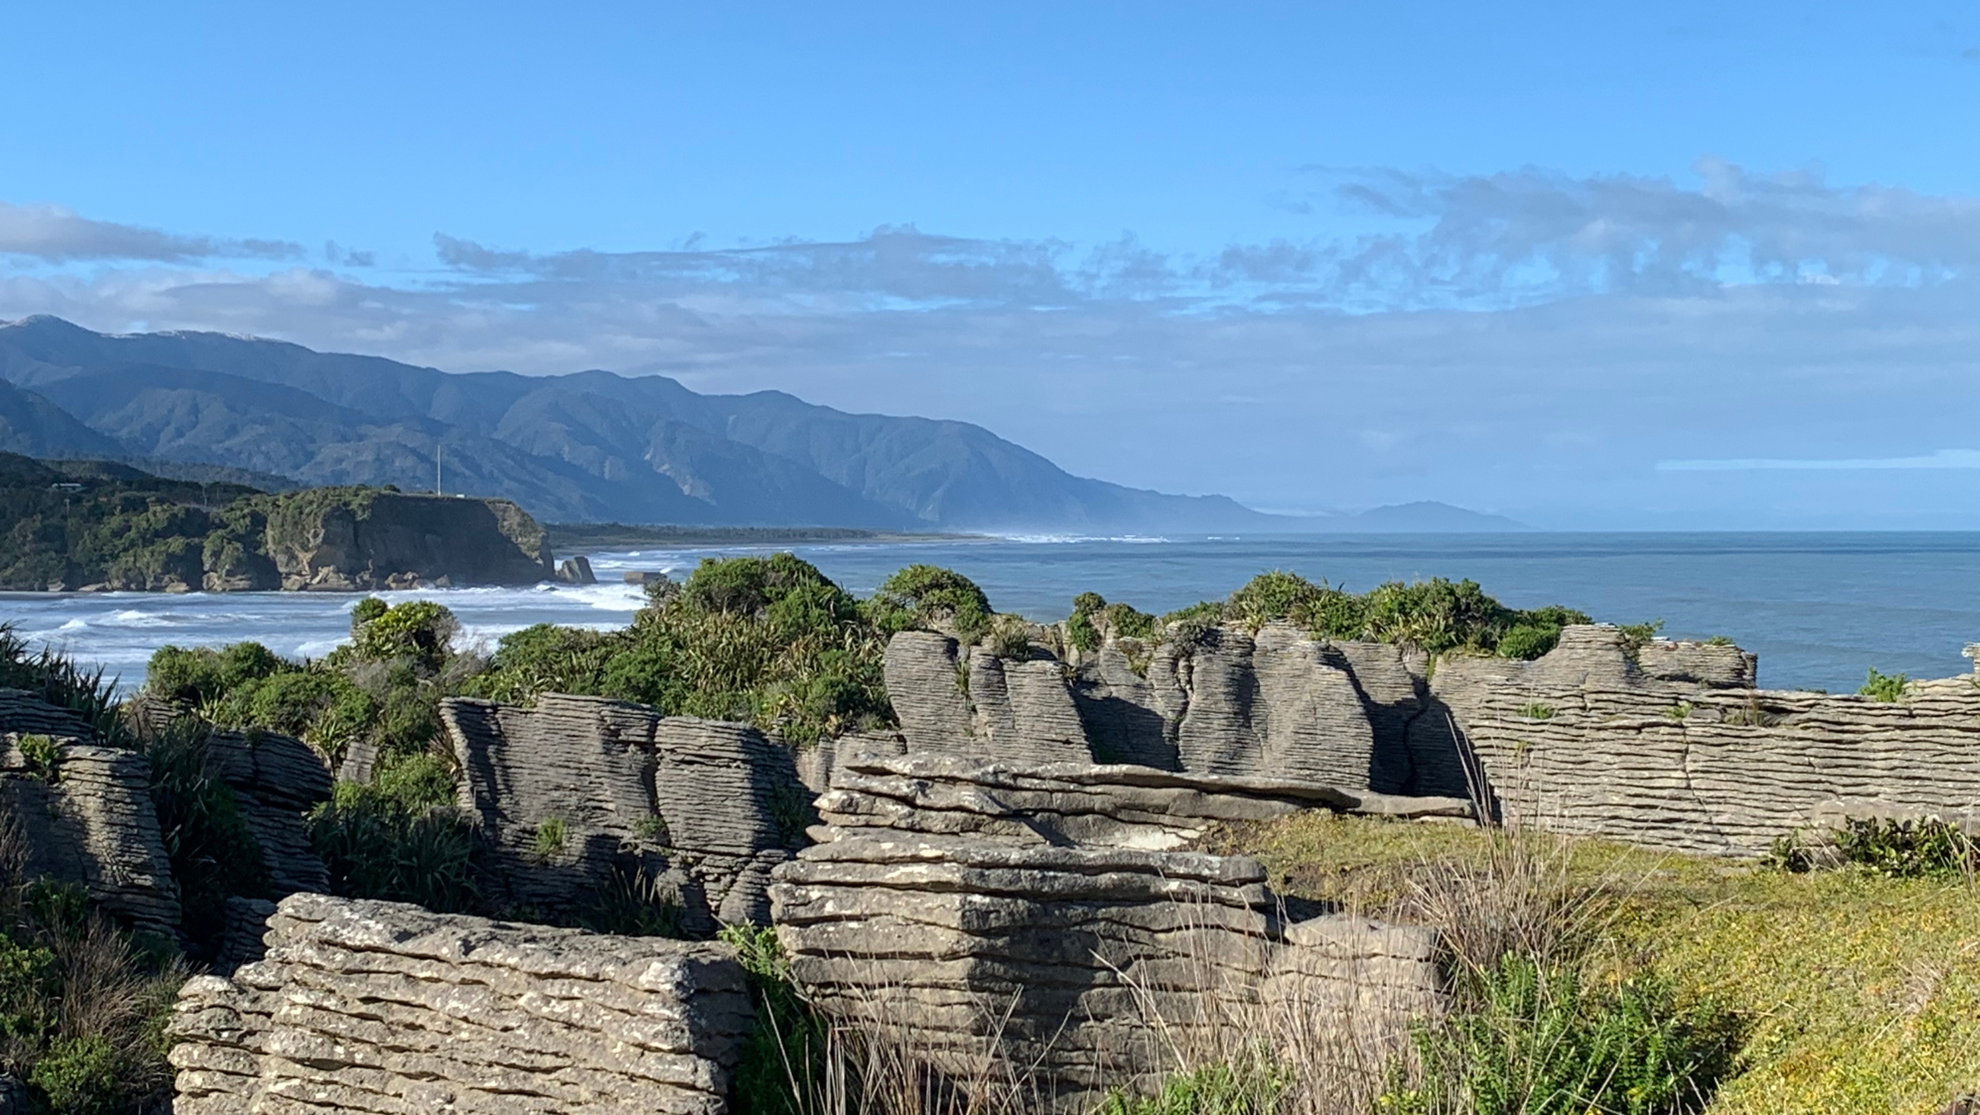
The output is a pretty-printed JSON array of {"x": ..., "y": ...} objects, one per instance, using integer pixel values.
[{"x": 1432, "y": 616}]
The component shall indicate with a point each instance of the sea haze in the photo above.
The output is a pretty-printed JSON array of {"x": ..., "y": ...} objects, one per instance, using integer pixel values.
[{"x": 1819, "y": 609}]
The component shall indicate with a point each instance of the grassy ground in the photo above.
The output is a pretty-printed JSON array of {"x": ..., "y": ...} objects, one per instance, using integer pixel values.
[{"x": 1860, "y": 993}]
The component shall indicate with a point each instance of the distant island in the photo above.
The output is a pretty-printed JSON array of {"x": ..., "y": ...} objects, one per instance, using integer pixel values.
[
  {"x": 587, "y": 447},
  {"x": 98, "y": 526}
]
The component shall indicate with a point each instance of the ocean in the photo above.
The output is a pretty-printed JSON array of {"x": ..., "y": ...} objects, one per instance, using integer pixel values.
[{"x": 1819, "y": 609}]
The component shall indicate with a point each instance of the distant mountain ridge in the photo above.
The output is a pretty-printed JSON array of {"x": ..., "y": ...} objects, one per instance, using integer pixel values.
[{"x": 585, "y": 447}]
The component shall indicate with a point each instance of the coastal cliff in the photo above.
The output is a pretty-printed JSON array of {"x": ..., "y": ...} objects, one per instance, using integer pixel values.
[{"x": 99, "y": 526}]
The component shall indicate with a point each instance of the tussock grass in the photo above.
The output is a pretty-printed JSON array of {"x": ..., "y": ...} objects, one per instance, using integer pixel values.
[{"x": 1856, "y": 991}]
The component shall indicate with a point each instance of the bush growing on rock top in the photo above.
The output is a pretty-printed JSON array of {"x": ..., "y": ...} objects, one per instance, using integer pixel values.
[
  {"x": 1434, "y": 616},
  {"x": 928, "y": 595}
]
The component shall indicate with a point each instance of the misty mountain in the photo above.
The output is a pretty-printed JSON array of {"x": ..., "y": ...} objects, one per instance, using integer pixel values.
[
  {"x": 33, "y": 426},
  {"x": 588, "y": 446}
]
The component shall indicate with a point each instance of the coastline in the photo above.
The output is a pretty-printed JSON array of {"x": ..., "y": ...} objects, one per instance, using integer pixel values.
[{"x": 567, "y": 539}]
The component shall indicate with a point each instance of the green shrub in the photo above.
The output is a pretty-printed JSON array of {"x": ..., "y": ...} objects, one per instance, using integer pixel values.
[
  {"x": 923, "y": 595},
  {"x": 1250, "y": 1089},
  {"x": 1634, "y": 636},
  {"x": 418, "y": 631},
  {"x": 1538, "y": 712},
  {"x": 782, "y": 1061},
  {"x": 1125, "y": 622},
  {"x": 398, "y": 837},
  {"x": 81, "y": 1076},
  {"x": 291, "y": 702},
  {"x": 552, "y": 834},
  {"x": 82, "y": 1006},
  {"x": 40, "y": 753},
  {"x": 551, "y": 659},
  {"x": 1436, "y": 615},
  {"x": 1186, "y": 627},
  {"x": 1277, "y": 595},
  {"x": 1884, "y": 687},
  {"x": 1537, "y": 1040},
  {"x": 1527, "y": 641},
  {"x": 1080, "y": 631},
  {"x": 632, "y": 903},
  {"x": 198, "y": 676},
  {"x": 213, "y": 853},
  {"x": 1010, "y": 637},
  {"x": 1908, "y": 849}
]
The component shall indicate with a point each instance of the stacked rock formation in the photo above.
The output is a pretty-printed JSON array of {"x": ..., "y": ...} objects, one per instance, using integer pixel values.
[
  {"x": 276, "y": 781},
  {"x": 81, "y": 813},
  {"x": 1669, "y": 745},
  {"x": 578, "y": 788},
  {"x": 387, "y": 1008},
  {"x": 1066, "y": 804},
  {"x": 1095, "y": 964},
  {"x": 1275, "y": 704}
]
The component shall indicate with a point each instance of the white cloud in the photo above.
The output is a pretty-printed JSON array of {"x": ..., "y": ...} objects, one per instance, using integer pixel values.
[{"x": 1524, "y": 341}]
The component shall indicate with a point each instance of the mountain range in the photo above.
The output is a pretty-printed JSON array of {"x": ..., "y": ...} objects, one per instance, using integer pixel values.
[{"x": 585, "y": 447}]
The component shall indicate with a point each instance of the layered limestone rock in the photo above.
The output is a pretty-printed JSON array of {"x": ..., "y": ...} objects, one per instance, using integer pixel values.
[
  {"x": 1092, "y": 964},
  {"x": 387, "y": 1008},
  {"x": 1668, "y": 745},
  {"x": 1275, "y": 704},
  {"x": 83, "y": 813},
  {"x": 276, "y": 781},
  {"x": 578, "y": 788},
  {"x": 1068, "y": 804},
  {"x": 953, "y": 698}
]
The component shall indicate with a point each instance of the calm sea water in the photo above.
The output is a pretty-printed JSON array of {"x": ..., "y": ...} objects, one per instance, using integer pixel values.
[{"x": 1819, "y": 609}]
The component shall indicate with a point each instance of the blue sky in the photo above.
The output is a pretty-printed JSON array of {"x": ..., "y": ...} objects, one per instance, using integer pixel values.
[{"x": 1592, "y": 265}]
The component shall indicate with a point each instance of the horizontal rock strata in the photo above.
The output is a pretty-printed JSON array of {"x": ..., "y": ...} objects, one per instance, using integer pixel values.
[
  {"x": 82, "y": 813},
  {"x": 1668, "y": 745},
  {"x": 1093, "y": 964},
  {"x": 578, "y": 788},
  {"x": 1083, "y": 804},
  {"x": 386, "y": 1008},
  {"x": 276, "y": 781}
]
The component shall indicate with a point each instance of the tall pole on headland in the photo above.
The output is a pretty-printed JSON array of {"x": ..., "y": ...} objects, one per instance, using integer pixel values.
[{"x": 436, "y": 468}]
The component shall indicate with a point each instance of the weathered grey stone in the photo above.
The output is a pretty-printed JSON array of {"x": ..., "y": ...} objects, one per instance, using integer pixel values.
[
  {"x": 1067, "y": 804},
  {"x": 276, "y": 780},
  {"x": 87, "y": 820},
  {"x": 629, "y": 790},
  {"x": 927, "y": 683},
  {"x": 1587, "y": 740},
  {"x": 576, "y": 570},
  {"x": 1273, "y": 705},
  {"x": 1060, "y": 957},
  {"x": 955, "y": 699},
  {"x": 241, "y": 935},
  {"x": 387, "y": 1008}
]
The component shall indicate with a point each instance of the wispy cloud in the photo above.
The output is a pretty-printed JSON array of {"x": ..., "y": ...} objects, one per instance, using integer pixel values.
[
  {"x": 1944, "y": 458},
  {"x": 53, "y": 234}
]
